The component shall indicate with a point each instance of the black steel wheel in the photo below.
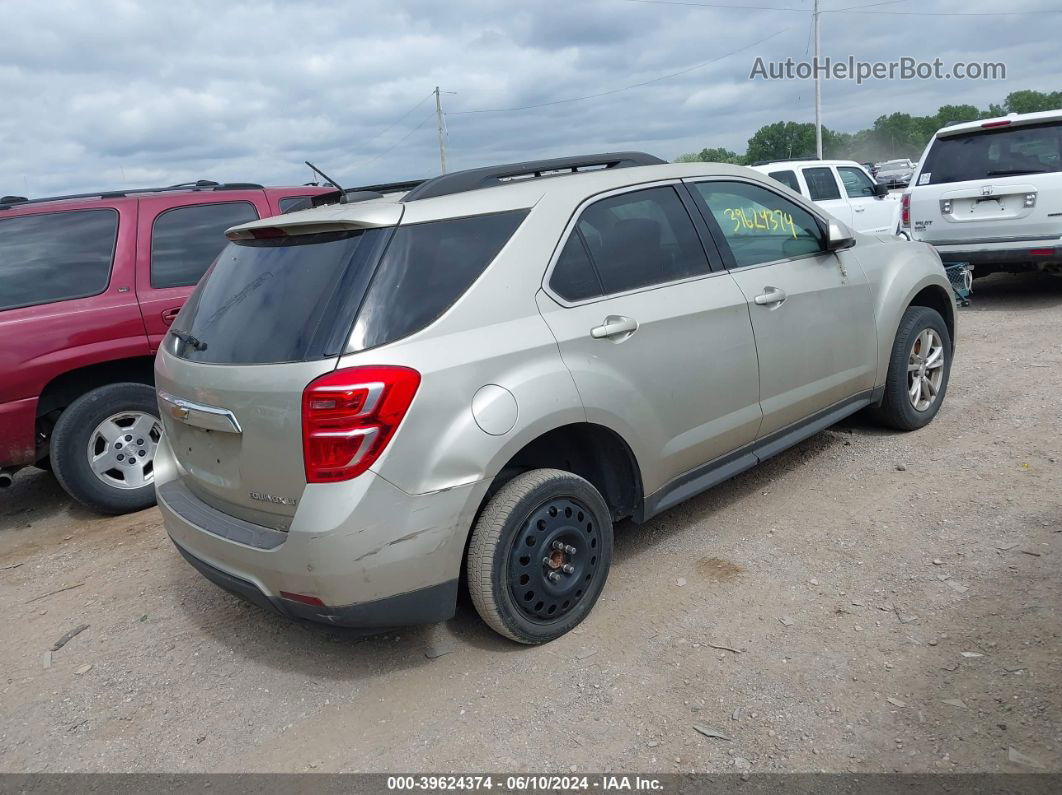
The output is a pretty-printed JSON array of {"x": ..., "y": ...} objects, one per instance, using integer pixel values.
[
  {"x": 539, "y": 555},
  {"x": 553, "y": 559}
]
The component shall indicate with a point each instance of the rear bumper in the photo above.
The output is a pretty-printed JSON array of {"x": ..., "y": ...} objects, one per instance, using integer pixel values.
[
  {"x": 1002, "y": 253},
  {"x": 374, "y": 555},
  {"x": 423, "y": 606}
]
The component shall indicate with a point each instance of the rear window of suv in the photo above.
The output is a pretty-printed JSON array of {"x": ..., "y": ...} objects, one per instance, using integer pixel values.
[
  {"x": 288, "y": 299},
  {"x": 1005, "y": 152},
  {"x": 55, "y": 256}
]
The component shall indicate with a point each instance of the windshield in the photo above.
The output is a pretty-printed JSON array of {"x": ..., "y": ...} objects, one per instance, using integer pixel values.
[
  {"x": 1006, "y": 152},
  {"x": 278, "y": 299}
]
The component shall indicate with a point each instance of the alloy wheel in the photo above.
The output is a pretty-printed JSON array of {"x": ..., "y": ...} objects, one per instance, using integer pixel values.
[{"x": 925, "y": 369}]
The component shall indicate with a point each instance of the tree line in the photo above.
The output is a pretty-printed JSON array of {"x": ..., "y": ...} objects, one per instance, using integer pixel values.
[{"x": 894, "y": 136}]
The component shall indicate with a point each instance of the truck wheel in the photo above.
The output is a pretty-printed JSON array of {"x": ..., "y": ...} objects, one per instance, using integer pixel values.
[
  {"x": 102, "y": 448},
  {"x": 539, "y": 555},
  {"x": 919, "y": 368}
]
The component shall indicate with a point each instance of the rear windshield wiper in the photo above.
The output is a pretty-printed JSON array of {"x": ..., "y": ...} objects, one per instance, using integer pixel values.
[
  {"x": 196, "y": 343},
  {"x": 1011, "y": 172}
]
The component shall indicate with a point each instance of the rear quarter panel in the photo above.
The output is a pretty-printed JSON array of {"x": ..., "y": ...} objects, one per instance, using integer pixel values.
[{"x": 493, "y": 334}]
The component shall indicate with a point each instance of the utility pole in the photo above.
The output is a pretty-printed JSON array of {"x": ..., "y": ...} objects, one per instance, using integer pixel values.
[
  {"x": 442, "y": 129},
  {"x": 818, "y": 84}
]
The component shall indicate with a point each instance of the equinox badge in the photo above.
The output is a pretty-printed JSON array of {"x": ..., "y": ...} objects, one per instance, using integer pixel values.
[{"x": 257, "y": 495}]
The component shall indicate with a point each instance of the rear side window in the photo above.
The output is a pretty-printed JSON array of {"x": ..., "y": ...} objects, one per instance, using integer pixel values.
[
  {"x": 856, "y": 183},
  {"x": 185, "y": 240},
  {"x": 290, "y": 204},
  {"x": 425, "y": 269},
  {"x": 640, "y": 239},
  {"x": 821, "y": 184},
  {"x": 1005, "y": 152},
  {"x": 787, "y": 178},
  {"x": 55, "y": 256},
  {"x": 759, "y": 225}
]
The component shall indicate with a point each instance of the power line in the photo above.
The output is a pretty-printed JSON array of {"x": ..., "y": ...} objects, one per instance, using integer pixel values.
[
  {"x": 622, "y": 88},
  {"x": 867, "y": 5},
  {"x": 399, "y": 141},
  {"x": 849, "y": 10},
  {"x": 949, "y": 13},
  {"x": 399, "y": 120},
  {"x": 716, "y": 5}
]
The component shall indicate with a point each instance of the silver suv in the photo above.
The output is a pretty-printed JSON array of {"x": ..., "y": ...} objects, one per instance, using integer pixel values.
[{"x": 366, "y": 401}]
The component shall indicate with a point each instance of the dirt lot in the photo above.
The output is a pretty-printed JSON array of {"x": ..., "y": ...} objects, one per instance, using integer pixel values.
[{"x": 887, "y": 602}]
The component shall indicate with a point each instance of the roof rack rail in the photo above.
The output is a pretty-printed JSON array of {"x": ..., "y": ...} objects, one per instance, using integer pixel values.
[
  {"x": 490, "y": 176},
  {"x": 7, "y": 202},
  {"x": 391, "y": 187},
  {"x": 787, "y": 160}
]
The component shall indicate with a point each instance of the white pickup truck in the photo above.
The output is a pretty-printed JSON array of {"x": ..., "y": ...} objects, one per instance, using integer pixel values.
[{"x": 841, "y": 187}]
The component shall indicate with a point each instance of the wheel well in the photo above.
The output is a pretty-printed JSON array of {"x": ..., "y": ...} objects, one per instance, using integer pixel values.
[
  {"x": 938, "y": 299},
  {"x": 64, "y": 389},
  {"x": 590, "y": 451}
]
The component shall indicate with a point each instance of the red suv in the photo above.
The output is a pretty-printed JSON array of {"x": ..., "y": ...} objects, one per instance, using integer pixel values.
[{"x": 89, "y": 285}]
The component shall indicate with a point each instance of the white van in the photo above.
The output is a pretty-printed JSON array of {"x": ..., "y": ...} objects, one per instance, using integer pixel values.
[
  {"x": 990, "y": 193},
  {"x": 841, "y": 187}
]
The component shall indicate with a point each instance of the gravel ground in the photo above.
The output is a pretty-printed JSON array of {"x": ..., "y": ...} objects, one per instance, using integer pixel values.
[{"x": 868, "y": 601}]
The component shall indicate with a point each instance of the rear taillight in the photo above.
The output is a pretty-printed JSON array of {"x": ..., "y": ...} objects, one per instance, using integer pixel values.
[
  {"x": 349, "y": 416},
  {"x": 905, "y": 210}
]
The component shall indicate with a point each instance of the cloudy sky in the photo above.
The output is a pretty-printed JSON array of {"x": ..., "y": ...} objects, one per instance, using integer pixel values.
[{"x": 110, "y": 93}]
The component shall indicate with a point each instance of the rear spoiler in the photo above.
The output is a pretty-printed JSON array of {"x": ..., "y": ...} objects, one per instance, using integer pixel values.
[{"x": 329, "y": 218}]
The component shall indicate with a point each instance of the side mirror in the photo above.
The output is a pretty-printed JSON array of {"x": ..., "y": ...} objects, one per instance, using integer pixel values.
[
  {"x": 838, "y": 236},
  {"x": 881, "y": 191}
]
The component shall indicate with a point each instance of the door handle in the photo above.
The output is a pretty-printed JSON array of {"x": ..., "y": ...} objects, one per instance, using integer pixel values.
[
  {"x": 169, "y": 315},
  {"x": 860, "y": 209},
  {"x": 770, "y": 296},
  {"x": 614, "y": 326}
]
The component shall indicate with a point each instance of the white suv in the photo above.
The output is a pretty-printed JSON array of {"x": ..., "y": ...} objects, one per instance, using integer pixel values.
[
  {"x": 841, "y": 187},
  {"x": 990, "y": 193}
]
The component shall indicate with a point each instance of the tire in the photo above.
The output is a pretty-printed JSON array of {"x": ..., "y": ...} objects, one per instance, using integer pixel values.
[
  {"x": 106, "y": 416},
  {"x": 542, "y": 506},
  {"x": 898, "y": 408}
]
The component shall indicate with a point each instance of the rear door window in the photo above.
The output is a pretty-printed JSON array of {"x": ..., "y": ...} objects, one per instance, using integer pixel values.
[
  {"x": 55, "y": 256},
  {"x": 822, "y": 186},
  {"x": 856, "y": 183},
  {"x": 426, "y": 268},
  {"x": 574, "y": 277},
  {"x": 642, "y": 238},
  {"x": 787, "y": 178},
  {"x": 185, "y": 240},
  {"x": 1005, "y": 152}
]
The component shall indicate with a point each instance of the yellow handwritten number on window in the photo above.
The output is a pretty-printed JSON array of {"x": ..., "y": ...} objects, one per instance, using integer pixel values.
[{"x": 760, "y": 220}]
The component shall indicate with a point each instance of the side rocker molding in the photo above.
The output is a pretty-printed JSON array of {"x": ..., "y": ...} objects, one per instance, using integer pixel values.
[{"x": 715, "y": 472}]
